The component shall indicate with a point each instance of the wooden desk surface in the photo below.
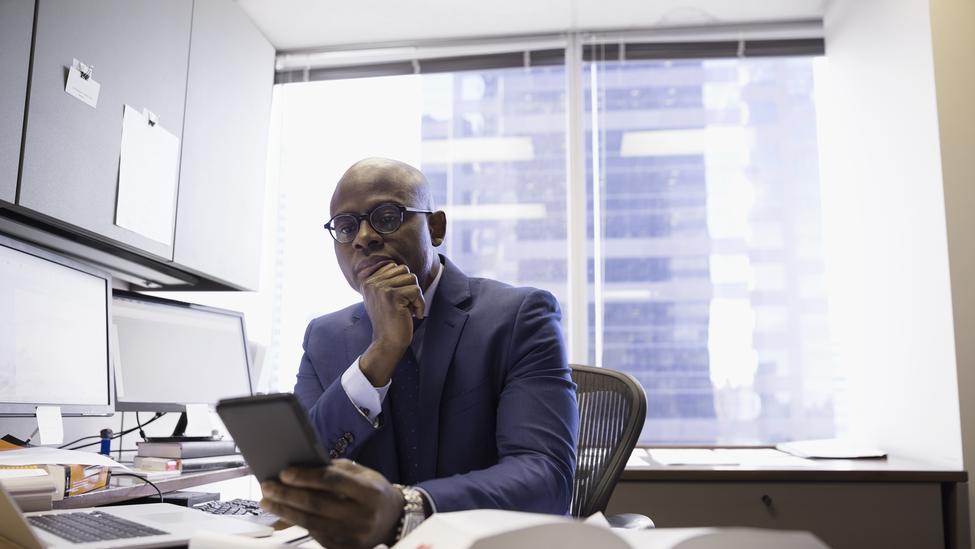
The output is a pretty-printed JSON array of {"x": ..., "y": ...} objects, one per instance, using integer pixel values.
[
  {"x": 891, "y": 469},
  {"x": 114, "y": 493}
]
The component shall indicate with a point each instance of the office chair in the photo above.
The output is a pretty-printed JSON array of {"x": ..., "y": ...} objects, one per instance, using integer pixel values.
[{"x": 612, "y": 408}]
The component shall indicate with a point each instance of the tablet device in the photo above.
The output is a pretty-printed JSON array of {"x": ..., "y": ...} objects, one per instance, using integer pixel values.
[{"x": 273, "y": 432}]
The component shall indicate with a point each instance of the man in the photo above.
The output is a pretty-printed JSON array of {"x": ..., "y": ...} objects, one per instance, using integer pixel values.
[{"x": 473, "y": 409}]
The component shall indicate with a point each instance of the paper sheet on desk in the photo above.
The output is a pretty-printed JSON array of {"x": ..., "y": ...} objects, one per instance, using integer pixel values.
[
  {"x": 764, "y": 457},
  {"x": 44, "y": 456},
  {"x": 280, "y": 538},
  {"x": 749, "y": 457},
  {"x": 638, "y": 458},
  {"x": 830, "y": 449},
  {"x": 689, "y": 456}
]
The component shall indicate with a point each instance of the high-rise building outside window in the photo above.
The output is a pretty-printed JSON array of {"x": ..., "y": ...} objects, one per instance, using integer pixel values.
[{"x": 707, "y": 265}]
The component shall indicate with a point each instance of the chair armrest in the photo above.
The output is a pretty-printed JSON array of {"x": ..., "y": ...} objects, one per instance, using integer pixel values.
[{"x": 630, "y": 521}]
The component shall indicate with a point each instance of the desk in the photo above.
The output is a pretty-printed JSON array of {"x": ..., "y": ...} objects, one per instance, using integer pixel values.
[
  {"x": 114, "y": 493},
  {"x": 849, "y": 504}
]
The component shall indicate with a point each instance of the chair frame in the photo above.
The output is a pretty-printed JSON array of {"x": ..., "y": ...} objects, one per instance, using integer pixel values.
[{"x": 631, "y": 430}]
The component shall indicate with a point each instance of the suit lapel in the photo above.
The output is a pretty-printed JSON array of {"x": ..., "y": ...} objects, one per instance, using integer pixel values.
[{"x": 446, "y": 323}]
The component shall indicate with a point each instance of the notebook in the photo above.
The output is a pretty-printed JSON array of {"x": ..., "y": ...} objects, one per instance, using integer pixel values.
[{"x": 155, "y": 524}]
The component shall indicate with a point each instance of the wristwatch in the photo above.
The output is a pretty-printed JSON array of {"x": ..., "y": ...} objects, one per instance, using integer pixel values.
[{"x": 413, "y": 513}]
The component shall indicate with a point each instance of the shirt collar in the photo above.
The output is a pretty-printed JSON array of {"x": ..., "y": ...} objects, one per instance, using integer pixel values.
[{"x": 431, "y": 291}]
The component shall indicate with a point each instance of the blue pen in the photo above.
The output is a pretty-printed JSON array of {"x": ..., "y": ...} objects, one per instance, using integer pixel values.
[{"x": 106, "y": 448}]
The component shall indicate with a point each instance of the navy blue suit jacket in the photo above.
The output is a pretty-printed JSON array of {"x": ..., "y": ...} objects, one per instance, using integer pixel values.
[{"x": 498, "y": 414}]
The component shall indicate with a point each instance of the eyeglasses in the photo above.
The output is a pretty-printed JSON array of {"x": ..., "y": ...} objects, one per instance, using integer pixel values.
[{"x": 384, "y": 219}]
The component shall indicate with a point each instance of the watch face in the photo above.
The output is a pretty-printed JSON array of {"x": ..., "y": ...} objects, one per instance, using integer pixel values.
[{"x": 410, "y": 521}]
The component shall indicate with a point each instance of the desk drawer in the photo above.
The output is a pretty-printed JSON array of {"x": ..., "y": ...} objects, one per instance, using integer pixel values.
[{"x": 846, "y": 515}]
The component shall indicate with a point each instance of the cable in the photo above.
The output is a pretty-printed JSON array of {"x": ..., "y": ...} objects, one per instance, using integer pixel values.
[
  {"x": 143, "y": 479},
  {"x": 121, "y": 427},
  {"x": 137, "y": 422},
  {"x": 298, "y": 541},
  {"x": 115, "y": 436}
]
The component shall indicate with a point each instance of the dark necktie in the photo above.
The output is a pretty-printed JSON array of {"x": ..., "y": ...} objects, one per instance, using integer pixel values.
[{"x": 405, "y": 393}]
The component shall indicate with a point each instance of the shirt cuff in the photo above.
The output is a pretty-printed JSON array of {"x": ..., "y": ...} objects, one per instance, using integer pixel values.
[
  {"x": 433, "y": 504},
  {"x": 368, "y": 399}
]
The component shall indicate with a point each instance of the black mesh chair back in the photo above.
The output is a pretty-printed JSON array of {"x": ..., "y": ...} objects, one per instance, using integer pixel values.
[{"x": 612, "y": 409}]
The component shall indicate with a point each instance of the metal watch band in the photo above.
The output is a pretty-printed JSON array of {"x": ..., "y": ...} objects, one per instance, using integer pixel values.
[{"x": 413, "y": 513}]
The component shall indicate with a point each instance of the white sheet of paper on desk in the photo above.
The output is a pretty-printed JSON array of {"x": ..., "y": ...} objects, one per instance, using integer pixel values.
[
  {"x": 830, "y": 448},
  {"x": 49, "y": 424},
  {"x": 638, "y": 458},
  {"x": 214, "y": 540},
  {"x": 763, "y": 457},
  {"x": 689, "y": 456},
  {"x": 45, "y": 456},
  {"x": 147, "y": 178}
]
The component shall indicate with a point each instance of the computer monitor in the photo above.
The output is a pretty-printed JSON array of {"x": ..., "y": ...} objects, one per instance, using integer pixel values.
[
  {"x": 171, "y": 354},
  {"x": 55, "y": 348}
]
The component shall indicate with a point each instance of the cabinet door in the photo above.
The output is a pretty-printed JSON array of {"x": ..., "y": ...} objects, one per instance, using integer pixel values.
[
  {"x": 222, "y": 176},
  {"x": 16, "y": 26},
  {"x": 845, "y": 515},
  {"x": 139, "y": 51}
]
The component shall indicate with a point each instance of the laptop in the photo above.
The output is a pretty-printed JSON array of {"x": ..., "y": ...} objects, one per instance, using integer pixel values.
[{"x": 147, "y": 525}]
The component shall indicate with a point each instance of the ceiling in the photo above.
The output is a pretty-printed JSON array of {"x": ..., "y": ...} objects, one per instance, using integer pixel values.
[{"x": 295, "y": 25}]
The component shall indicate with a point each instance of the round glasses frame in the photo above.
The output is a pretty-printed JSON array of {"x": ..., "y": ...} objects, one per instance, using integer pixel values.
[{"x": 384, "y": 219}]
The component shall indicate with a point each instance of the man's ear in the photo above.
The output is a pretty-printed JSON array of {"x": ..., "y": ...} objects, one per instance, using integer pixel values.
[{"x": 437, "y": 223}]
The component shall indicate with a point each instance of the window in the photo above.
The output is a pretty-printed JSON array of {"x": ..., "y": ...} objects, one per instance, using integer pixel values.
[
  {"x": 697, "y": 265},
  {"x": 707, "y": 261}
]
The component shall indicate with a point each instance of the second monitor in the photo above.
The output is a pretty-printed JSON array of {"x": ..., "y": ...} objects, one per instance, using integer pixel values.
[{"x": 171, "y": 354}]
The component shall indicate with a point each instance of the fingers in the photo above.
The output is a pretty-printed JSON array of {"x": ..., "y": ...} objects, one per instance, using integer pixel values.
[
  {"x": 313, "y": 508},
  {"x": 344, "y": 505},
  {"x": 393, "y": 274},
  {"x": 329, "y": 533},
  {"x": 393, "y": 292},
  {"x": 344, "y": 479}
]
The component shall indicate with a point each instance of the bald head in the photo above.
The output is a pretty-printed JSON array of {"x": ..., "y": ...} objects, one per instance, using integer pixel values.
[
  {"x": 383, "y": 176},
  {"x": 371, "y": 183}
]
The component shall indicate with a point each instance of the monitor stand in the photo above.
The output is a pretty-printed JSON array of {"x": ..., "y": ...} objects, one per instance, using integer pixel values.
[{"x": 178, "y": 433}]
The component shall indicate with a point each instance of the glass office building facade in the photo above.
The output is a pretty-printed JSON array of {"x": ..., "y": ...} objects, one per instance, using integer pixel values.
[{"x": 703, "y": 225}]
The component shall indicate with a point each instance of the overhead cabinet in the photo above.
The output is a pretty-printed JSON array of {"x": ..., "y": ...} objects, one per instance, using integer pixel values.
[
  {"x": 138, "y": 51},
  {"x": 16, "y": 21},
  {"x": 204, "y": 71},
  {"x": 222, "y": 177}
]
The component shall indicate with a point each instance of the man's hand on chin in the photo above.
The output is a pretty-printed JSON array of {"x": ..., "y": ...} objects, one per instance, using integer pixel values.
[
  {"x": 343, "y": 506},
  {"x": 391, "y": 296}
]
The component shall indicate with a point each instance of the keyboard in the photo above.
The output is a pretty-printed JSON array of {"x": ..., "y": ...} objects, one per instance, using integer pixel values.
[
  {"x": 80, "y": 527},
  {"x": 233, "y": 507}
]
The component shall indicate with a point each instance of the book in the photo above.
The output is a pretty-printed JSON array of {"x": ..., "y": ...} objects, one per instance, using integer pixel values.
[
  {"x": 31, "y": 486},
  {"x": 62, "y": 478},
  {"x": 85, "y": 478},
  {"x": 211, "y": 462},
  {"x": 187, "y": 449},
  {"x": 129, "y": 477},
  {"x": 146, "y": 463},
  {"x": 28, "y": 478},
  {"x": 34, "y": 502},
  {"x": 495, "y": 529}
]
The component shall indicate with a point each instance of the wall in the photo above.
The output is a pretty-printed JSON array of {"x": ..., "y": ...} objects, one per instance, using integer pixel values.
[
  {"x": 887, "y": 246},
  {"x": 953, "y": 41}
]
